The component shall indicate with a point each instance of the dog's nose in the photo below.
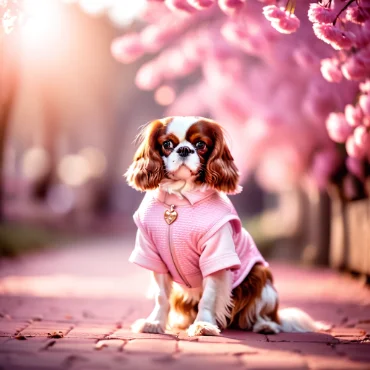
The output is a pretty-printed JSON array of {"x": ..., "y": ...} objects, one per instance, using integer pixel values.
[{"x": 184, "y": 151}]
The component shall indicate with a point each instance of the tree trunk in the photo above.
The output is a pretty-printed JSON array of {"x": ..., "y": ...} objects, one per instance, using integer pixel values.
[{"x": 9, "y": 79}]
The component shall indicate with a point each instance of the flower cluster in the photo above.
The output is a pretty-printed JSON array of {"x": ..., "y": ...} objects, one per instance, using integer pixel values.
[
  {"x": 281, "y": 19},
  {"x": 279, "y": 96}
]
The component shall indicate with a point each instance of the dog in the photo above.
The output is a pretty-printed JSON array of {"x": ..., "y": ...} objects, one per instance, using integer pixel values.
[{"x": 207, "y": 272}]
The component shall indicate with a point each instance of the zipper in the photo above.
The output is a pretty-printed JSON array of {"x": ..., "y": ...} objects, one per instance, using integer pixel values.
[{"x": 173, "y": 255}]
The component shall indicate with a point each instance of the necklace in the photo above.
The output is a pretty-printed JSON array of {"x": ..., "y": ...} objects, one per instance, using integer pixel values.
[{"x": 170, "y": 215}]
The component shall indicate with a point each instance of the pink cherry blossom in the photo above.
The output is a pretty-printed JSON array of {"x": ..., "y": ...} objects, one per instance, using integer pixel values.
[
  {"x": 365, "y": 86},
  {"x": 355, "y": 69},
  {"x": 354, "y": 150},
  {"x": 180, "y": 5},
  {"x": 319, "y": 13},
  {"x": 272, "y": 12},
  {"x": 287, "y": 25},
  {"x": 201, "y": 4},
  {"x": 128, "y": 48},
  {"x": 231, "y": 7},
  {"x": 247, "y": 72},
  {"x": 366, "y": 121},
  {"x": 333, "y": 36},
  {"x": 155, "y": 36},
  {"x": 330, "y": 70},
  {"x": 357, "y": 14},
  {"x": 280, "y": 19},
  {"x": 147, "y": 77},
  {"x": 338, "y": 128},
  {"x": 361, "y": 136},
  {"x": 364, "y": 103},
  {"x": 353, "y": 114}
]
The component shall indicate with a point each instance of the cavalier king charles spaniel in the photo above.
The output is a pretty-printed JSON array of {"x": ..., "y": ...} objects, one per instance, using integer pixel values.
[{"x": 207, "y": 272}]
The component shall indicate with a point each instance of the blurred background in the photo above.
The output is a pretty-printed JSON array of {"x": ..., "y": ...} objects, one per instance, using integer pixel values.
[{"x": 75, "y": 89}]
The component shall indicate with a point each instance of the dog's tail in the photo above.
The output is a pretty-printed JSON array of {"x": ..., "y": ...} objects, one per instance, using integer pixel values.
[{"x": 294, "y": 320}]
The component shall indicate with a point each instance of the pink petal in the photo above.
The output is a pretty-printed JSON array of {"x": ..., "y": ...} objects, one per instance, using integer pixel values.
[
  {"x": 286, "y": 25},
  {"x": 353, "y": 150},
  {"x": 330, "y": 70},
  {"x": 320, "y": 14},
  {"x": 201, "y": 4},
  {"x": 338, "y": 128},
  {"x": 128, "y": 48},
  {"x": 272, "y": 12},
  {"x": 364, "y": 103},
  {"x": 353, "y": 115}
]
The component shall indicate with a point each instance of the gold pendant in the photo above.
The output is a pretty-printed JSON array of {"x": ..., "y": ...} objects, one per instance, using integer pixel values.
[{"x": 170, "y": 215}]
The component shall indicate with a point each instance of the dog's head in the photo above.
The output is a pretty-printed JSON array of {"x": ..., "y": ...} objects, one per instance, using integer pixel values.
[{"x": 183, "y": 148}]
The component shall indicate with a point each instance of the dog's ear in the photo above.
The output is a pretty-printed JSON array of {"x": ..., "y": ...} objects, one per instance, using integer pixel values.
[
  {"x": 221, "y": 172},
  {"x": 146, "y": 171}
]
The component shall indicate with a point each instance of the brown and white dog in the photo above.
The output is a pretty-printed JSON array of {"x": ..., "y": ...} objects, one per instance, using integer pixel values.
[{"x": 183, "y": 155}]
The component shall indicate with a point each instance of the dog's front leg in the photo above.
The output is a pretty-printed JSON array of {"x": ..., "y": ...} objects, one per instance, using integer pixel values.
[
  {"x": 156, "y": 322},
  {"x": 214, "y": 303}
]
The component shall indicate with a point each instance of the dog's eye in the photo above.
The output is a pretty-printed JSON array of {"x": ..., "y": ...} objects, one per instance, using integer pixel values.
[
  {"x": 200, "y": 145},
  {"x": 168, "y": 145}
]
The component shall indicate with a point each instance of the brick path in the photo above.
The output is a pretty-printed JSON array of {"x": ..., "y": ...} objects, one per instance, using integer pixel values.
[{"x": 71, "y": 308}]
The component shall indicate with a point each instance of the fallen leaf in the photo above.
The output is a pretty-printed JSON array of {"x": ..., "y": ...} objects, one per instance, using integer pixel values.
[
  {"x": 56, "y": 335},
  {"x": 20, "y": 337}
]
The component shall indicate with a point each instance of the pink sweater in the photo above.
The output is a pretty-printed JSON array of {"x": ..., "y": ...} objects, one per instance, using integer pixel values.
[{"x": 206, "y": 237}]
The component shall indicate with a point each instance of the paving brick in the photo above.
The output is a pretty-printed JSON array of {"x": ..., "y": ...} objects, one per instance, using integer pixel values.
[
  {"x": 160, "y": 346},
  {"x": 3, "y": 340},
  {"x": 95, "y": 317},
  {"x": 246, "y": 336},
  {"x": 41, "y": 361},
  {"x": 348, "y": 334},
  {"x": 11, "y": 327},
  {"x": 274, "y": 360},
  {"x": 227, "y": 336},
  {"x": 215, "y": 362},
  {"x": 31, "y": 345},
  {"x": 147, "y": 362},
  {"x": 96, "y": 360},
  {"x": 304, "y": 348},
  {"x": 128, "y": 335},
  {"x": 73, "y": 345},
  {"x": 4, "y": 359},
  {"x": 89, "y": 331},
  {"x": 355, "y": 351},
  {"x": 44, "y": 328},
  {"x": 302, "y": 337},
  {"x": 235, "y": 337},
  {"x": 330, "y": 363},
  {"x": 365, "y": 327},
  {"x": 205, "y": 348}
]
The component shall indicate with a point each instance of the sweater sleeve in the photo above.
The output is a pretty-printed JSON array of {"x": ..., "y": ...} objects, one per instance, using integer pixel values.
[
  {"x": 146, "y": 255},
  {"x": 218, "y": 252}
]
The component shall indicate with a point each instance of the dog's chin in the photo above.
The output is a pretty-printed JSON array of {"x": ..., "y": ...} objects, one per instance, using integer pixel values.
[{"x": 183, "y": 173}]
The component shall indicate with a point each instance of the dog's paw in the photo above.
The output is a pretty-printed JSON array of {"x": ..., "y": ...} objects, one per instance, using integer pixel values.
[
  {"x": 148, "y": 326},
  {"x": 202, "y": 328},
  {"x": 266, "y": 327}
]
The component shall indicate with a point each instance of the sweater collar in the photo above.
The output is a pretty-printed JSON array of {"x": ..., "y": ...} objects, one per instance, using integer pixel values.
[{"x": 180, "y": 192}]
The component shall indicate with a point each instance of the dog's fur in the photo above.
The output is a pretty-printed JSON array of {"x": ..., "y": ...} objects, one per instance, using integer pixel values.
[{"x": 253, "y": 305}]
